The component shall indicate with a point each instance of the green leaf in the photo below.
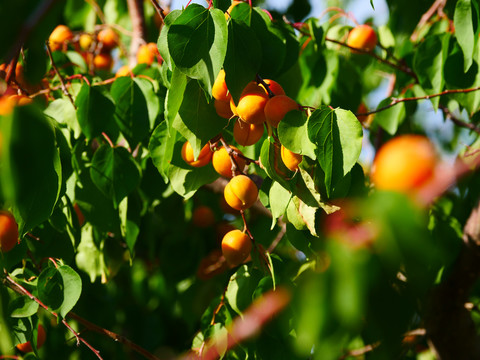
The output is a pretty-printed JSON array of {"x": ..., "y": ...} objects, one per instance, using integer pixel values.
[
  {"x": 464, "y": 32},
  {"x": 391, "y": 118},
  {"x": 428, "y": 63},
  {"x": 338, "y": 137},
  {"x": 242, "y": 43},
  {"x": 22, "y": 306},
  {"x": 59, "y": 288},
  {"x": 63, "y": 111},
  {"x": 241, "y": 287},
  {"x": 175, "y": 95},
  {"x": 89, "y": 257},
  {"x": 299, "y": 239},
  {"x": 131, "y": 110},
  {"x": 197, "y": 42},
  {"x": 130, "y": 211},
  {"x": 114, "y": 172},
  {"x": 293, "y": 134},
  {"x": 162, "y": 39},
  {"x": 271, "y": 160},
  {"x": 94, "y": 111},
  {"x": 161, "y": 147},
  {"x": 197, "y": 120},
  {"x": 186, "y": 180},
  {"x": 31, "y": 169},
  {"x": 279, "y": 199}
]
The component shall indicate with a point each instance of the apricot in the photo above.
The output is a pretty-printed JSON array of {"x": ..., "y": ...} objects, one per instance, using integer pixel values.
[
  {"x": 27, "y": 346},
  {"x": 290, "y": 159},
  {"x": 236, "y": 246},
  {"x": 8, "y": 102},
  {"x": 404, "y": 164},
  {"x": 219, "y": 88},
  {"x": 222, "y": 162},
  {"x": 147, "y": 53},
  {"x": 203, "y": 158},
  {"x": 203, "y": 217},
  {"x": 123, "y": 71},
  {"x": 211, "y": 265},
  {"x": 241, "y": 192},
  {"x": 362, "y": 37},
  {"x": 59, "y": 36},
  {"x": 247, "y": 134},
  {"x": 250, "y": 107},
  {"x": 108, "y": 38},
  {"x": 274, "y": 87},
  {"x": 223, "y": 109},
  {"x": 103, "y": 61},
  {"x": 85, "y": 41},
  {"x": 8, "y": 231},
  {"x": 277, "y": 107}
]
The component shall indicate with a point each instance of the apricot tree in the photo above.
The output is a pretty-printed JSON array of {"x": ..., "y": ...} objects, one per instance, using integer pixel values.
[{"x": 225, "y": 181}]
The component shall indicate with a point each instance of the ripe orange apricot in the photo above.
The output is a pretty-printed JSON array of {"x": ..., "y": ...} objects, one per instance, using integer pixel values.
[
  {"x": 8, "y": 231},
  {"x": 203, "y": 217},
  {"x": 27, "y": 346},
  {"x": 290, "y": 159},
  {"x": 103, "y": 61},
  {"x": 241, "y": 192},
  {"x": 404, "y": 164},
  {"x": 85, "y": 41},
  {"x": 108, "y": 37},
  {"x": 277, "y": 107},
  {"x": 236, "y": 246},
  {"x": 123, "y": 71},
  {"x": 147, "y": 53},
  {"x": 247, "y": 134},
  {"x": 219, "y": 88},
  {"x": 274, "y": 86},
  {"x": 59, "y": 36},
  {"x": 250, "y": 107},
  {"x": 362, "y": 37},
  {"x": 203, "y": 158},
  {"x": 223, "y": 109},
  {"x": 223, "y": 164}
]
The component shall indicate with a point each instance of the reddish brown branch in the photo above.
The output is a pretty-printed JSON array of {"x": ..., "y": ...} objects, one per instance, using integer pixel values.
[
  {"x": 135, "y": 9},
  {"x": 437, "y": 6},
  {"x": 62, "y": 82}
]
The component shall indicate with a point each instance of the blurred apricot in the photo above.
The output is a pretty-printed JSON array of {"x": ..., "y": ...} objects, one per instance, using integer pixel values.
[
  {"x": 211, "y": 265},
  {"x": 236, "y": 247},
  {"x": 27, "y": 346},
  {"x": 123, "y": 71},
  {"x": 59, "y": 36},
  {"x": 8, "y": 231},
  {"x": 85, "y": 41},
  {"x": 203, "y": 158},
  {"x": 404, "y": 163},
  {"x": 241, "y": 192},
  {"x": 203, "y": 217},
  {"x": 147, "y": 53},
  {"x": 223, "y": 109},
  {"x": 362, "y": 37},
  {"x": 108, "y": 38},
  {"x": 277, "y": 107},
  {"x": 247, "y": 134},
  {"x": 103, "y": 61},
  {"x": 290, "y": 159}
]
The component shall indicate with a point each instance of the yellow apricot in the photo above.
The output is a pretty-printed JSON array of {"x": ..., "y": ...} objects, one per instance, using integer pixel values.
[
  {"x": 274, "y": 87},
  {"x": 362, "y": 37},
  {"x": 241, "y": 192},
  {"x": 59, "y": 36},
  {"x": 123, "y": 71},
  {"x": 277, "y": 107},
  {"x": 103, "y": 61},
  {"x": 85, "y": 41},
  {"x": 247, "y": 134},
  {"x": 219, "y": 88},
  {"x": 404, "y": 163},
  {"x": 222, "y": 162},
  {"x": 203, "y": 158},
  {"x": 147, "y": 53},
  {"x": 108, "y": 37},
  {"x": 290, "y": 159},
  {"x": 223, "y": 108},
  {"x": 236, "y": 246}
]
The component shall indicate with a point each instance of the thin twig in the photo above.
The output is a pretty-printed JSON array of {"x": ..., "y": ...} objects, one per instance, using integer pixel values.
[
  {"x": 159, "y": 9},
  {"x": 437, "y": 6},
  {"x": 62, "y": 82}
]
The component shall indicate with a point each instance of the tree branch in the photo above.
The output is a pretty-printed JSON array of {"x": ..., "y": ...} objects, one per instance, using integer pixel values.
[{"x": 135, "y": 9}]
